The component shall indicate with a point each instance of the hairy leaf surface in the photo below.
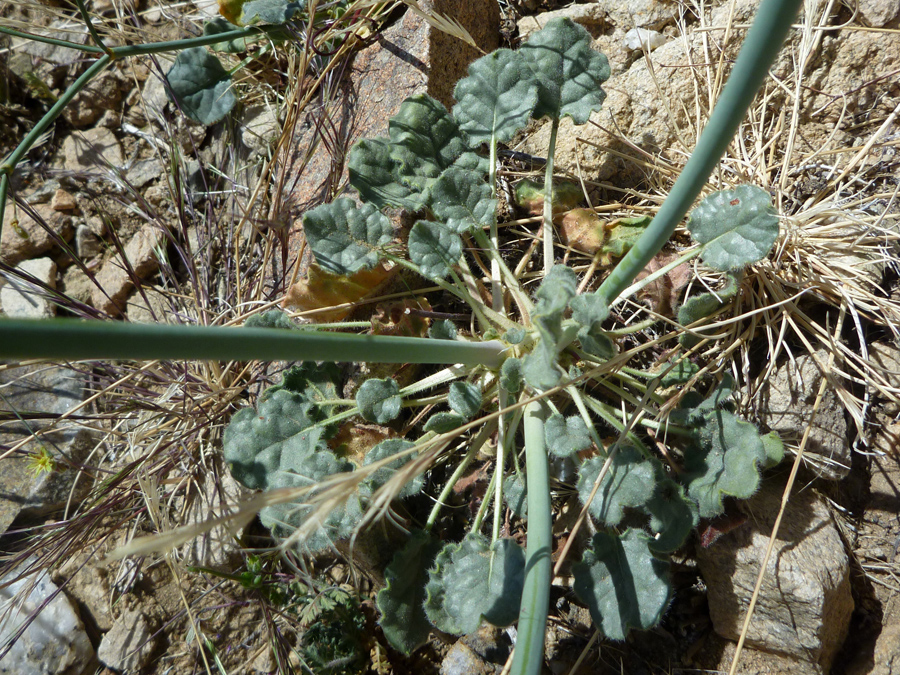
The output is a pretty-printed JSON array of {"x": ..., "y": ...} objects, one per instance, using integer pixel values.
[
  {"x": 621, "y": 582},
  {"x": 566, "y": 436},
  {"x": 344, "y": 238},
  {"x": 379, "y": 400},
  {"x": 472, "y": 580},
  {"x": 629, "y": 482},
  {"x": 434, "y": 248}
]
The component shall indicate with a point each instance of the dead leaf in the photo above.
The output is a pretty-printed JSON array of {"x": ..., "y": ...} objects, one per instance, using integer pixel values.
[
  {"x": 663, "y": 294},
  {"x": 322, "y": 289}
]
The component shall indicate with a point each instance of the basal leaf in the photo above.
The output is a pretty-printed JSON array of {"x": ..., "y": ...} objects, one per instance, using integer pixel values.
[
  {"x": 444, "y": 329},
  {"x": 511, "y": 375},
  {"x": 539, "y": 367},
  {"x": 401, "y": 600},
  {"x": 425, "y": 140},
  {"x": 597, "y": 343},
  {"x": 274, "y": 318},
  {"x": 629, "y": 482},
  {"x": 434, "y": 248},
  {"x": 589, "y": 311},
  {"x": 375, "y": 176},
  {"x": 566, "y": 436},
  {"x": 344, "y": 238},
  {"x": 703, "y": 305},
  {"x": 471, "y": 580},
  {"x": 672, "y": 516},
  {"x": 382, "y": 451},
  {"x": 442, "y": 422},
  {"x": 257, "y": 12},
  {"x": 681, "y": 373},
  {"x": 379, "y": 400},
  {"x": 464, "y": 399},
  {"x": 622, "y": 583},
  {"x": 322, "y": 290},
  {"x": 724, "y": 462},
  {"x": 568, "y": 72},
  {"x": 496, "y": 99},
  {"x": 623, "y": 235},
  {"x": 515, "y": 493},
  {"x": 201, "y": 86},
  {"x": 737, "y": 227},
  {"x": 461, "y": 202},
  {"x": 554, "y": 293}
]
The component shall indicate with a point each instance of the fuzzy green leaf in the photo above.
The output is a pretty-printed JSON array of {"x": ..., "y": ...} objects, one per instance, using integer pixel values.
[
  {"x": 496, "y": 99},
  {"x": 672, "y": 516},
  {"x": 539, "y": 367},
  {"x": 375, "y": 176},
  {"x": 629, "y": 482},
  {"x": 625, "y": 235},
  {"x": 621, "y": 582},
  {"x": 434, "y": 248},
  {"x": 511, "y": 375},
  {"x": 554, "y": 294},
  {"x": 515, "y": 494},
  {"x": 737, "y": 227},
  {"x": 472, "y": 580},
  {"x": 276, "y": 12},
  {"x": 425, "y": 140},
  {"x": 382, "y": 451},
  {"x": 274, "y": 318},
  {"x": 568, "y": 72},
  {"x": 724, "y": 462},
  {"x": 379, "y": 400},
  {"x": 566, "y": 436},
  {"x": 442, "y": 330},
  {"x": 201, "y": 86},
  {"x": 465, "y": 399},
  {"x": 442, "y": 422},
  {"x": 344, "y": 238},
  {"x": 597, "y": 343},
  {"x": 461, "y": 202},
  {"x": 681, "y": 373},
  {"x": 774, "y": 449},
  {"x": 589, "y": 311},
  {"x": 401, "y": 600}
]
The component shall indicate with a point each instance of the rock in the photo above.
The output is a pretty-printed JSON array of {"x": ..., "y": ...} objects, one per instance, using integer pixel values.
[
  {"x": 28, "y": 238},
  {"x": 54, "y": 642},
  {"x": 92, "y": 151},
  {"x": 22, "y": 299},
  {"x": 887, "y": 651},
  {"x": 88, "y": 584},
  {"x": 76, "y": 285},
  {"x": 410, "y": 57},
  {"x": 641, "y": 39},
  {"x": 878, "y": 13},
  {"x": 51, "y": 390},
  {"x": 87, "y": 244},
  {"x": 592, "y": 16},
  {"x": 130, "y": 644},
  {"x": 114, "y": 280},
  {"x": 143, "y": 172},
  {"x": 805, "y": 603},
  {"x": 461, "y": 660},
  {"x": 260, "y": 129},
  {"x": 155, "y": 98},
  {"x": 490, "y": 643},
  {"x": 63, "y": 201},
  {"x": 786, "y": 403},
  {"x": 151, "y": 306},
  {"x": 102, "y": 94}
]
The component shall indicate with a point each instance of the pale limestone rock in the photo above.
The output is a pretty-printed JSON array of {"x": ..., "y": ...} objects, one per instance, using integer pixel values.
[{"x": 22, "y": 299}]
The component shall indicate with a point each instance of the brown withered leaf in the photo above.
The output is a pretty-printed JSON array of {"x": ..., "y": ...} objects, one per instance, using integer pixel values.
[
  {"x": 583, "y": 230},
  {"x": 353, "y": 441},
  {"x": 530, "y": 197},
  {"x": 322, "y": 289},
  {"x": 663, "y": 294},
  {"x": 402, "y": 318}
]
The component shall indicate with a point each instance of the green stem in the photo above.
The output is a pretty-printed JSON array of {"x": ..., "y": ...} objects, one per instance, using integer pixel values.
[
  {"x": 10, "y": 163},
  {"x": 90, "y": 26},
  {"x": 447, "y": 490},
  {"x": 496, "y": 287},
  {"x": 528, "y": 657},
  {"x": 178, "y": 45},
  {"x": 512, "y": 283},
  {"x": 91, "y": 49},
  {"x": 500, "y": 466},
  {"x": 548, "y": 198},
  {"x": 71, "y": 339},
  {"x": 762, "y": 44}
]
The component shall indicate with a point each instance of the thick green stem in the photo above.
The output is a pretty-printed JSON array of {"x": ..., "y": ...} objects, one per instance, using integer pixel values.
[
  {"x": 70, "y": 339},
  {"x": 528, "y": 658},
  {"x": 764, "y": 39},
  {"x": 548, "y": 198}
]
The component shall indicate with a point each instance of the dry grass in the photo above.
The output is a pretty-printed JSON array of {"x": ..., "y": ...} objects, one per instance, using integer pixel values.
[{"x": 160, "y": 424}]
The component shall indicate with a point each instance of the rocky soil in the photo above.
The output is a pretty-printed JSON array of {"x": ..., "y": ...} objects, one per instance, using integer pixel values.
[{"x": 128, "y": 210}]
